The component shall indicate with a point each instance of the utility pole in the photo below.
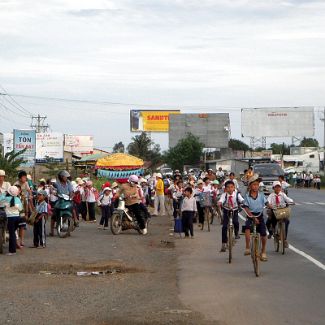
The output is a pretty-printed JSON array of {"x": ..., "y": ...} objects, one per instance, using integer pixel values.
[
  {"x": 39, "y": 124},
  {"x": 323, "y": 120}
]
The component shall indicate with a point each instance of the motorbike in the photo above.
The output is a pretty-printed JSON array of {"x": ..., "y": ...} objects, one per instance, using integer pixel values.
[
  {"x": 3, "y": 227},
  {"x": 64, "y": 216},
  {"x": 123, "y": 219}
]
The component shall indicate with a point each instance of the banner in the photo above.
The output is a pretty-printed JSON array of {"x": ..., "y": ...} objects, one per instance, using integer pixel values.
[
  {"x": 26, "y": 139},
  {"x": 49, "y": 145},
  {"x": 79, "y": 144},
  {"x": 150, "y": 121}
]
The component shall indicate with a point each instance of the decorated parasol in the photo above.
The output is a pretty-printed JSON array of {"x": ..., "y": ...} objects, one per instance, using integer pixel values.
[{"x": 119, "y": 166}]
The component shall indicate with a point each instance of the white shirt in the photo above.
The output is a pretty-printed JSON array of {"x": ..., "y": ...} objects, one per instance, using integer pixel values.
[
  {"x": 220, "y": 174},
  {"x": 236, "y": 199},
  {"x": 189, "y": 204},
  {"x": 4, "y": 187},
  {"x": 90, "y": 194},
  {"x": 197, "y": 193},
  {"x": 207, "y": 188},
  {"x": 284, "y": 199},
  {"x": 105, "y": 199}
]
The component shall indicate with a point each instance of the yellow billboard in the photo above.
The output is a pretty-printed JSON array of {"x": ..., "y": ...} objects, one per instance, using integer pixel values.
[{"x": 150, "y": 120}]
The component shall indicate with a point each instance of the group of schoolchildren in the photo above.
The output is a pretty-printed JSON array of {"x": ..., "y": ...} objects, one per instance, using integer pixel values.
[
  {"x": 19, "y": 206},
  {"x": 187, "y": 199}
]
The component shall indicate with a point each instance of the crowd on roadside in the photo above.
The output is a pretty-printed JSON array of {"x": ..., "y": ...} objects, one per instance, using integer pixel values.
[
  {"x": 305, "y": 179},
  {"x": 187, "y": 196}
]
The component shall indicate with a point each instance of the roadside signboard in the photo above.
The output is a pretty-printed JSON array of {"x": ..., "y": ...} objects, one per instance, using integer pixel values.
[
  {"x": 8, "y": 142},
  {"x": 49, "y": 145},
  {"x": 26, "y": 139},
  {"x": 150, "y": 120},
  {"x": 79, "y": 144},
  {"x": 277, "y": 122}
]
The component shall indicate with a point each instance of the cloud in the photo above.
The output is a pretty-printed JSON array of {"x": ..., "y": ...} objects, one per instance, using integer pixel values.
[{"x": 172, "y": 52}]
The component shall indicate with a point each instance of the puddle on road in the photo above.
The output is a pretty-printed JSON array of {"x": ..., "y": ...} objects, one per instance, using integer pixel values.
[{"x": 78, "y": 269}]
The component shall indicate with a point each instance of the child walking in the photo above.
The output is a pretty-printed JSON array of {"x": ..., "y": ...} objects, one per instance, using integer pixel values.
[
  {"x": 105, "y": 203},
  {"x": 188, "y": 210},
  {"x": 13, "y": 206},
  {"x": 40, "y": 220}
]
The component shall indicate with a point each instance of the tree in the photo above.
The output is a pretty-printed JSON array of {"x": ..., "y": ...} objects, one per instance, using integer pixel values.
[
  {"x": 188, "y": 151},
  {"x": 236, "y": 144},
  {"x": 143, "y": 147},
  {"x": 11, "y": 162},
  {"x": 140, "y": 145},
  {"x": 119, "y": 147},
  {"x": 309, "y": 142},
  {"x": 280, "y": 149}
]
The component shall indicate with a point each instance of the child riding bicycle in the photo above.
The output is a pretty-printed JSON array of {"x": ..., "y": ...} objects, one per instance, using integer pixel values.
[
  {"x": 230, "y": 200},
  {"x": 277, "y": 199},
  {"x": 254, "y": 203}
]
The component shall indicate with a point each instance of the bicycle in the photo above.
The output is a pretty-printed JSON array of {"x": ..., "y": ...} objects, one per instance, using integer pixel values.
[
  {"x": 281, "y": 214},
  {"x": 255, "y": 248},
  {"x": 207, "y": 214},
  {"x": 230, "y": 234}
]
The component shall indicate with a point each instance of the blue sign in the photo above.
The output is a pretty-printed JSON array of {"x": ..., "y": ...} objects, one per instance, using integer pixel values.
[{"x": 26, "y": 139}]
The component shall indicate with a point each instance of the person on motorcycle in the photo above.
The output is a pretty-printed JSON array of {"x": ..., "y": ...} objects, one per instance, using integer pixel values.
[
  {"x": 62, "y": 186},
  {"x": 132, "y": 199}
]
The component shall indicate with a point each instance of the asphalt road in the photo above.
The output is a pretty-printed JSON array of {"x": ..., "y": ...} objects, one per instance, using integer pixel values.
[
  {"x": 308, "y": 222},
  {"x": 290, "y": 290}
]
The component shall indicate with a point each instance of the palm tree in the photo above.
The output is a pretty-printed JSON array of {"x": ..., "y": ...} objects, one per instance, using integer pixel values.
[{"x": 11, "y": 161}]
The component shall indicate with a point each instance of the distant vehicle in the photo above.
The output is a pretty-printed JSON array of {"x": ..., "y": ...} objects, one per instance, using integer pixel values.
[
  {"x": 269, "y": 172},
  {"x": 309, "y": 162},
  {"x": 166, "y": 171}
]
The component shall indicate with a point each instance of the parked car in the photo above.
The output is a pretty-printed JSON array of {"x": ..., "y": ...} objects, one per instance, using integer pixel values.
[
  {"x": 269, "y": 172},
  {"x": 166, "y": 171}
]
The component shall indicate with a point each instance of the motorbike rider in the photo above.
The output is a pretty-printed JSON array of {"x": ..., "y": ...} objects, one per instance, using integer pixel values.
[
  {"x": 62, "y": 186},
  {"x": 132, "y": 199}
]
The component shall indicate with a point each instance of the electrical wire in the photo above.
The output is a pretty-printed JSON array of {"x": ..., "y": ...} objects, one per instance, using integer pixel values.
[
  {"x": 14, "y": 103},
  {"x": 156, "y": 106}
]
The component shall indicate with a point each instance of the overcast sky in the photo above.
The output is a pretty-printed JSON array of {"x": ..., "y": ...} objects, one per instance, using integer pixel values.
[{"x": 215, "y": 56}]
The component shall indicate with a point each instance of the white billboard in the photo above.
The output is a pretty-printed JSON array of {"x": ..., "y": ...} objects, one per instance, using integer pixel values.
[
  {"x": 8, "y": 142},
  {"x": 277, "y": 122},
  {"x": 49, "y": 145},
  {"x": 79, "y": 144}
]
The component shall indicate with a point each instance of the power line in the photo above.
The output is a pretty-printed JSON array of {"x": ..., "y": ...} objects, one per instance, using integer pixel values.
[
  {"x": 13, "y": 102},
  {"x": 157, "y": 106}
]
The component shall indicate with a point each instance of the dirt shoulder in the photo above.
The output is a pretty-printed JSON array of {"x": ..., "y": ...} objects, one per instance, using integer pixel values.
[{"x": 137, "y": 281}]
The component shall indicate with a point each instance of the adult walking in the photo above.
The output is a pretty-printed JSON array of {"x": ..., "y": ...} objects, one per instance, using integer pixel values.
[{"x": 159, "y": 196}]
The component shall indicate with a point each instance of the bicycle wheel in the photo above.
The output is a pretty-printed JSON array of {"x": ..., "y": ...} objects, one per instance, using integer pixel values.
[
  {"x": 230, "y": 242},
  {"x": 255, "y": 254},
  {"x": 207, "y": 217},
  {"x": 276, "y": 239},
  {"x": 282, "y": 237}
]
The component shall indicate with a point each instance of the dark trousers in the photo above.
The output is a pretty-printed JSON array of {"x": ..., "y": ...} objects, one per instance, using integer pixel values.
[
  {"x": 91, "y": 211},
  {"x": 39, "y": 233},
  {"x": 138, "y": 213},
  {"x": 271, "y": 224},
  {"x": 225, "y": 224},
  {"x": 200, "y": 211},
  {"x": 106, "y": 214},
  {"x": 12, "y": 226},
  {"x": 84, "y": 210},
  {"x": 187, "y": 221}
]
